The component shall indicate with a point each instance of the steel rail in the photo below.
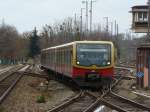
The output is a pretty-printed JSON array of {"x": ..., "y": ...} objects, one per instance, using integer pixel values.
[
  {"x": 100, "y": 100},
  {"x": 68, "y": 102},
  {"x": 9, "y": 89},
  {"x": 35, "y": 75},
  {"x": 10, "y": 73},
  {"x": 144, "y": 107},
  {"x": 95, "y": 104},
  {"x": 115, "y": 107}
]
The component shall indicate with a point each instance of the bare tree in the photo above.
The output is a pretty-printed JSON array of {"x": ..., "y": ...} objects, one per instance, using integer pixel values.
[{"x": 11, "y": 45}]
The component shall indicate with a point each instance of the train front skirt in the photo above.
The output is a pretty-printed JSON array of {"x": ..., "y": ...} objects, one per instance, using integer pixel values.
[{"x": 93, "y": 80}]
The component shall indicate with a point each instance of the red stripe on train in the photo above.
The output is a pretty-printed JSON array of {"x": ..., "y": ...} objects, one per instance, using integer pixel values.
[{"x": 107, "y": 72}]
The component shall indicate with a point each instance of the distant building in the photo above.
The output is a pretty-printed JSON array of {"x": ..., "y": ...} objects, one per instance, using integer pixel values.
[{"x": 140, "y": 19}]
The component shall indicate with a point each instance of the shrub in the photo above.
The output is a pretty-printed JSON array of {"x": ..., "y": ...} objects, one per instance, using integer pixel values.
[{"x": 41, "y": 99}]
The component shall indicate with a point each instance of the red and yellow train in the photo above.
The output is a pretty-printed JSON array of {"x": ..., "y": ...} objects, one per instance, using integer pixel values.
[{"x": 88, "y": 63}]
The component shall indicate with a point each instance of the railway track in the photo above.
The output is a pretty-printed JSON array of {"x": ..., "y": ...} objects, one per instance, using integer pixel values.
[
  {"x": 5, "y": 73},
  {"x": 28, "y": 73},
  {"x": 126, "y": 63},
  {"x": 116, "y": 102},
  {"x": 9, "y": 82},
  {"x": 123, "y": 104},
  {"x": 79, "y": 103},
  {"x": 90, "y": 101},
  {"x": 98, "y": 104},
  {"x": 119, "y": 74},
  {"x": 84, "y": 101}
]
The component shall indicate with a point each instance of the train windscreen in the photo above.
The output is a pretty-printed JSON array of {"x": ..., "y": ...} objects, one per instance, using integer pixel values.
[{"x": 94, "y": 54}]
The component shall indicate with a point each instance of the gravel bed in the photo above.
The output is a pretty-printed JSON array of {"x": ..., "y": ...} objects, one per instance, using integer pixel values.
[{"x": 24, "y": 96}]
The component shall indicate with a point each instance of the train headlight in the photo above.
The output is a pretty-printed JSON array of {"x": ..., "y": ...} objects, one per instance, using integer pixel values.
[
  {"x": 108, "y": 63},
  {"x": 78, "y": 62}
]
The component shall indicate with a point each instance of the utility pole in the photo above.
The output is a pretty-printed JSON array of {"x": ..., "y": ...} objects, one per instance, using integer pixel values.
[
  {"x": 115, "y": 28},
  {"x": 107, "y": 27},
  {"x": 75, "y": 18},
  {"x": 86, "y": 2},
  {"x": 91, "y": 10},
  {"x": 99, "y": 28},
  {"x": 81, "y": 24},
  {"x": 75, "y": 21},
  {"x": 87, "y": 15},
  {"x": 111, "y": 29},
  {"x": 117, "y": 37},
  {"x": 148, "y": 34}
]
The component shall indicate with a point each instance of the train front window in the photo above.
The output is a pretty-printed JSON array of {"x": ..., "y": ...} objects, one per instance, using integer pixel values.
[{"x": 93, "y": 54}]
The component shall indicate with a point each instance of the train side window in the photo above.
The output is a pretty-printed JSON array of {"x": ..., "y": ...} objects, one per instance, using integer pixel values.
[
  {"x": 70, "y": 57},
  {"x": 50, "y": 55},
  {"x": 66, "y": 57},
  {"x": 63, "y": 57},
  {"x": 58, "y": 57},
  {"x": 53, "y": 59},
  {"x": 46, "y": 58}
]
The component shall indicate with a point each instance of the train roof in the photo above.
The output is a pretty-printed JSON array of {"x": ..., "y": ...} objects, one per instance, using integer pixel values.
[{"x": 71, "y": 43}]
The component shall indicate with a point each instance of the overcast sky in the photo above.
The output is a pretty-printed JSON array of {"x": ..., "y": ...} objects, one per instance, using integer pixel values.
[{"x": 25, "y": 14}]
